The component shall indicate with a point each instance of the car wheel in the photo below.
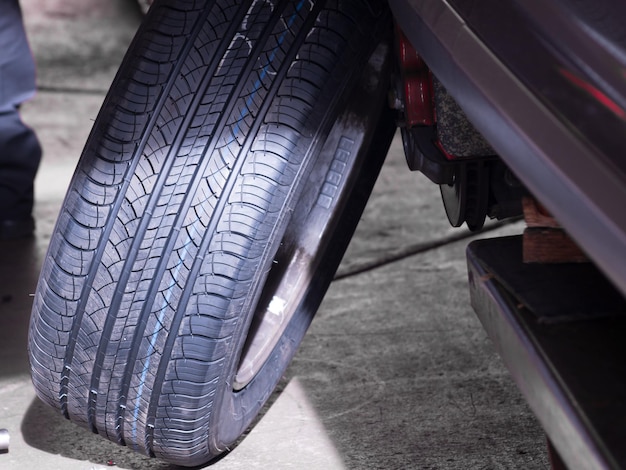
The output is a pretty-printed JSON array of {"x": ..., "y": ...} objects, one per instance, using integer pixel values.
[{"x": 213, "y": 202}]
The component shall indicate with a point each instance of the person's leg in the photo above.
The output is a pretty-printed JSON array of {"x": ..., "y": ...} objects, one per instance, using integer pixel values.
[
  {"x": 20, "y": 151},
  {"x": 19, "y": 159}
]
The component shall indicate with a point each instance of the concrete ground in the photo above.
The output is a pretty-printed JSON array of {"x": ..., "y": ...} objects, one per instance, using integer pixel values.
[{"x": 395, "y": 372}]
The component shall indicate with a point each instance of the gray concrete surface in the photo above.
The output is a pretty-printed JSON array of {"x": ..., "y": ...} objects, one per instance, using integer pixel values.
[{"x": 395, "y": 372}]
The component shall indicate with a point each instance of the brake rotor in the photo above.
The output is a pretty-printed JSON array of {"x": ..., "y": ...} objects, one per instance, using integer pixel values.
[{"x": 466, "y": 199}]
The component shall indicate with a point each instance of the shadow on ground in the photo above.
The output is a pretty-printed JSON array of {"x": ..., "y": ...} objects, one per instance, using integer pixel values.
[{"x": 44, "y": 429}]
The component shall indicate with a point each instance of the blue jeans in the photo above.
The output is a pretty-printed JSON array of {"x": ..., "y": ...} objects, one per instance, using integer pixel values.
[{"x": 20, "y": 151}]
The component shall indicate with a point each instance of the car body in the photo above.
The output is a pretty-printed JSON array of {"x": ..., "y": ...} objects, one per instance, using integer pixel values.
[{"x": 545, "y": 83}]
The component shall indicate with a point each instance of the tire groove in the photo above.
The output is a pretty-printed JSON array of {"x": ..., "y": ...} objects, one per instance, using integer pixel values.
[
  {"x": 218, "y": 211},
  {"x": 173, "y": 237},
  {"x": 136, "y": 342},
  {"x": 135, "y": 248},
  {"x": 233, "y": 176},
  {"x": 99, "y": 251}
]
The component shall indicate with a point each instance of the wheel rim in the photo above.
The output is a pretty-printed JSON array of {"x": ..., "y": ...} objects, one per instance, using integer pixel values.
[{"x": 296, "y": 262}]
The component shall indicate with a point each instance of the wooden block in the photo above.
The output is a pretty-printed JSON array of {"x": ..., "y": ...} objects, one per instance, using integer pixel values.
[
  {"x": 536, "y": 215},
  {"x": 550, "y": 245}
]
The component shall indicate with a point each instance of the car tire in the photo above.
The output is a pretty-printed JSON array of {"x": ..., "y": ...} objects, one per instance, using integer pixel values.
[{"x": 217, "y": 193}]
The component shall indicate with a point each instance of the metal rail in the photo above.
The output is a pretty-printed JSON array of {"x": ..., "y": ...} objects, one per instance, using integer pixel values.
[{"x": 560, "y": 330}]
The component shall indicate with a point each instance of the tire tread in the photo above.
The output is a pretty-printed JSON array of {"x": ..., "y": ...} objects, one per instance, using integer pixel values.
[{"x": 170, "y": 215}]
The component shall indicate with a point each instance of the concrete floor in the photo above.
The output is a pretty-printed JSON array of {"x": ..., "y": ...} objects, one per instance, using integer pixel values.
[{"x": 395, "y": 372}]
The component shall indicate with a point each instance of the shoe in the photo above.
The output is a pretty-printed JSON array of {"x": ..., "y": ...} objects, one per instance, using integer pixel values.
[{"x": 11, "y": 229}]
